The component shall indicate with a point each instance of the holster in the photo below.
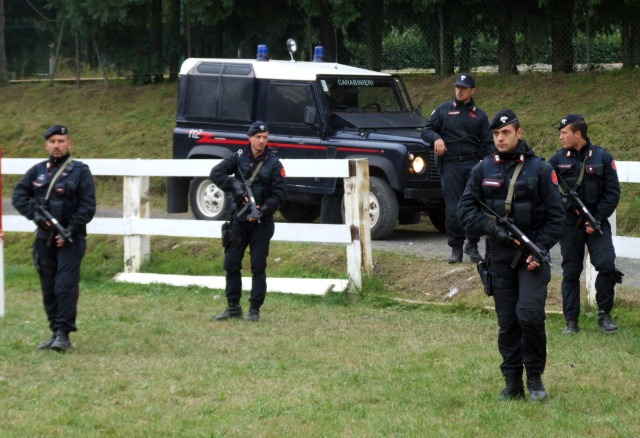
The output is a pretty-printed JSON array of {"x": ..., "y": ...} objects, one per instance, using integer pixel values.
[
  {"x": 486, "y": 277},
  {"x": 226, "y": 234},
  {"x": 36, "y": 258}
]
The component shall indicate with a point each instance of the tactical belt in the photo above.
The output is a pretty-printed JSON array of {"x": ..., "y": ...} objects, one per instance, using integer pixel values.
[{"x": 459, "y": 158}]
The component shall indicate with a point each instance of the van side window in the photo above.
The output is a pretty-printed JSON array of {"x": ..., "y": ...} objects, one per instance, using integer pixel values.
[
  {"x": 236, "y": 99},
  {"x": 217, "y": 91},
  {"x": 286, "y": 103}
]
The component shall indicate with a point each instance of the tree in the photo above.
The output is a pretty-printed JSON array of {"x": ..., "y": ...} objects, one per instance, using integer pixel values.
[{"x": 3, "y": 54}]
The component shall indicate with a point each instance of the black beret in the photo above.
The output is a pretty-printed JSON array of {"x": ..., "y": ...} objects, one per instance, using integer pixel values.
[
  {"x": 465, "y": 80},
  {"x": 56, "y": 129},
  {"x": 570, "y": 119},
  {"x": 256, "y": 127},
  {"x": 504, "y": 117}
]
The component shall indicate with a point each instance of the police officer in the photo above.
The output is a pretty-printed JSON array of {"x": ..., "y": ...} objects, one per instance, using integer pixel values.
[
  {"x": 65, "y": 188},
  {"x": 459, "y": 133},
  {"x": 514, "y": 181},
  {"x": 254, "y": 165},
  {"x": 590, "y": 171}
]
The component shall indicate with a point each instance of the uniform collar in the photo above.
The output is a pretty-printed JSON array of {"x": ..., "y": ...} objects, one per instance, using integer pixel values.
[{"x": 471, "y": 105}]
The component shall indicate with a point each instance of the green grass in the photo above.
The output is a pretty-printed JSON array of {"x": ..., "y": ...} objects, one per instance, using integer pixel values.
[
  {"x": 394, "y": 360},
  {"x": 151, "y": 361}
]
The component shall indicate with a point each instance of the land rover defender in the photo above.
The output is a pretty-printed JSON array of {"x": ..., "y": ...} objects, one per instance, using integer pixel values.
[{"x": 314, "y": 110}]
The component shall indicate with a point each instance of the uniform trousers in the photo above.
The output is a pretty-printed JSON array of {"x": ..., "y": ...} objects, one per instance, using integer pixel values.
[
  {"x": 603, "y": 258},
  {"x": 59, "y": 272},
  {"x": 519, "y": 296},
  {"x": 257, "y": 236},
  {"x": 453, "y": 178}
]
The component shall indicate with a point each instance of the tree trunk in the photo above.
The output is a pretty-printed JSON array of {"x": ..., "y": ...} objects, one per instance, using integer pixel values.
[
  {"x": 327, "y": 34},
  {"x": 4, "y": 77},
  {"x": 174, "y": 41},
  {"x": 373, "y": 22},
  {"x": 156, "y": 40},
  {"x": 562, "y": 58},
  {"x": 465, "y": 53}
]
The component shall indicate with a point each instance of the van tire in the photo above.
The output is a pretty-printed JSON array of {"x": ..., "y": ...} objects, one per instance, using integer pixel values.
[{"x": 208, "y": 202}]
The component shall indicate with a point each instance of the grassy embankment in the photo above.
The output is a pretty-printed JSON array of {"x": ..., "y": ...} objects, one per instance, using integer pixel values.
[{"x": 151, "y": 361}]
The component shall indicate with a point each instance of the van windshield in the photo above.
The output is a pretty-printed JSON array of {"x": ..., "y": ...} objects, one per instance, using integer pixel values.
[{"x": 362, "y": 94}]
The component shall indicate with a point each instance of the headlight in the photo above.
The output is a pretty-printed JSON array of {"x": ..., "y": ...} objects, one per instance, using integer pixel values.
[{"x": 417, "y": 164}]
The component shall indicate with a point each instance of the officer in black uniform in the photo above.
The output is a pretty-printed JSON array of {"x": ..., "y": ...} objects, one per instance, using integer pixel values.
[
  {"x": 590, "y": 171},
  {"x": 66, "y": 189},
  {"x": 459, "y": 133},
  {"x": 517, "y": 182},
  {"x": 259, "y": 167}
]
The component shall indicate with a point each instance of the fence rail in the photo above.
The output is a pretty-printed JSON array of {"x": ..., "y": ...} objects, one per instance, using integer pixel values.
[{"x": 136, "y": 225}]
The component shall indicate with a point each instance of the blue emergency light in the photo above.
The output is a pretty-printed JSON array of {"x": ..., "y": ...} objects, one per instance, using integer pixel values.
[
  {"x": 263, "y": 53},
  {"x": 318, "y": 54}
]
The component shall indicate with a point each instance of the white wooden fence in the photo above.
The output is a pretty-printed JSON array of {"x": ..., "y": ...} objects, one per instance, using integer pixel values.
[{"x": 136, "y": 225}]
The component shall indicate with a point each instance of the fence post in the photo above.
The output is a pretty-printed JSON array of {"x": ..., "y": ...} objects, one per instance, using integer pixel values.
[
  {"x": 137, "y": 248},
  {"x": 356, "y": 205}
]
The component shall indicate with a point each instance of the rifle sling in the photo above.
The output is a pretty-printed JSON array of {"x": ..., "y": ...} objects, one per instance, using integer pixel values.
[{"x": 56, "y": 176}]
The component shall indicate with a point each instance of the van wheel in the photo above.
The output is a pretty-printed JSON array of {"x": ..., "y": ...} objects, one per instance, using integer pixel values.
[
  {"x": 383, "y": 208},
  {"x": 300, "y": 213},
  {"x": 208, "y": 202},
  {"x": 438, "y": 219}
]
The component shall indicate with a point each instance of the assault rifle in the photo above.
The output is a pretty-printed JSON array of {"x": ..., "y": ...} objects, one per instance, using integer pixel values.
[
  {"x": 509, "y": 225},
  {"x": 255, "y": 213},
  {"x": 595, "y": 224},
  {"x": 66, "y": 235}
]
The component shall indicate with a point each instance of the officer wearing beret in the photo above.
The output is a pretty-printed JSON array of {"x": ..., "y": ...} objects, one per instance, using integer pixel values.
[
  {"x": 66, "y": 189},
  {"x": 459, "y": 133},
  {"x": 590, "y": 171},
  {"x": 516, "y": 182},
  {"x": 256, "y": 165}
]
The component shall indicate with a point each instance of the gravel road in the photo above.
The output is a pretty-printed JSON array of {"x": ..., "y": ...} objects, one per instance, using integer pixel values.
[{"x": 417, "y": 242}]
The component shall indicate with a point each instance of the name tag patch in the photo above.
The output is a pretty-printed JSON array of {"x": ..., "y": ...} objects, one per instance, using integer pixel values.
[{"x": 492, "y": 182}]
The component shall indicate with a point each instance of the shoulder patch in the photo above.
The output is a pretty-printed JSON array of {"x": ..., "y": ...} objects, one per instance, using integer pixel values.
[
  {"x": 554, "y": 177},
  {"x": 613, "y": 165},
  {"x": 282, "y": 172}
]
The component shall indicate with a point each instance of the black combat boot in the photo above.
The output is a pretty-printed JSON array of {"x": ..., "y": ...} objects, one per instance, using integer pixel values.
[
  {"x": 62, "y": 342},
  {"x": 471, "y": 249},
  {"x": 253, "y": 315},
  {"x": 572, "y": 327},
  {"x": 514, "y": 389},
  {"x": 232, "y": 311},
  {"x": 605, "y": 322},
  {"x": 537, "y": 393},
  {"x": 456, "y": 255},
  {"x": 46, "y": 345}
]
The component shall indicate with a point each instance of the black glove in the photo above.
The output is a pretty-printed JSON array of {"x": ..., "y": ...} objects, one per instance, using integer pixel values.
[
  {"x": 237, "y": 191},
  {"x": 617, "y": 275},
  {"x": 67, "y": 234},
  {"x": 41, "y": 221},
  {"x": 497, "y": 233},
  {"x": 265, "y": 210}
]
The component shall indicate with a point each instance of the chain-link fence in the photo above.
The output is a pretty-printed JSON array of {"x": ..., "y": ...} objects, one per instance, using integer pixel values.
[{"x": 147, "y": 39}]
